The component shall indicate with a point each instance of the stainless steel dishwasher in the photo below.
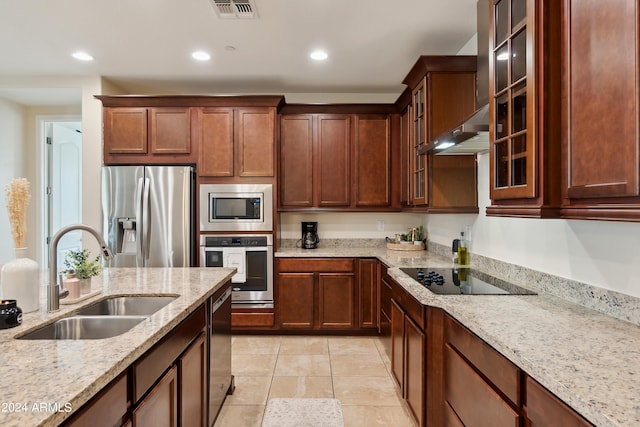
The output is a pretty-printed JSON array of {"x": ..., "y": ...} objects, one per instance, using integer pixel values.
[{"x": 220, "y": 378}]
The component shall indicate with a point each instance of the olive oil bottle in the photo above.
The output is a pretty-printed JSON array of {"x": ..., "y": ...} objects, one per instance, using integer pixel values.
[{"x": 463, "y": 250}]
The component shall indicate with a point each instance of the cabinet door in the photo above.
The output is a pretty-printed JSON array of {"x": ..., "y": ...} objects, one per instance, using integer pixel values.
[
  {"x": 368, "y": 293},
  {"x": 544, "y": 409},
  {"x": 170, "y": 130},
  {"x": 192, "y": 371},
  {"x": 215, "y": 141},
  {"x": 160, "y": 407},
  {"x": 106, "y": 409},
  {"x": 333, "y": 160},
  {"x": 295, "y": 300},
  {"x": 336, "y": 301},
  {"x": 256, "y": 141},
  {"x": 405, "y": 157},
  {"x": 602, "y": 85},
  {"x": 419, "y": 178},
  {"x": 372, "y": 161},
  {"x": 397, "y": 344},
  {"x": 125, "y": 130},
  {"x": 296, "y": 161},
  {"x": 414, "y": 370}
]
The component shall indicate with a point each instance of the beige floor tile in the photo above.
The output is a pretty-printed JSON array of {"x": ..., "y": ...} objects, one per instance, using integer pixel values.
[
  {"x": 253, "y": 365},
  {"x": 240, "y": 416},
  {"x": 303, "y": 365},
  {"x": 254, "y": 344},
  {"x": 383, "y": 416},
  {"x": 250, "y": 391},
  {"x": 362, "y": 365},
  {"x": 352, "y": 345},
  {"x": 368, "y": 391},
  {"x": 301, "y": 387},
  {"x": 304, "y": 345}
]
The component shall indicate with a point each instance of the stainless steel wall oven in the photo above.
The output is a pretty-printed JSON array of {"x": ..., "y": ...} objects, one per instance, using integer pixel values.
[{"x": 252, "y": 255}]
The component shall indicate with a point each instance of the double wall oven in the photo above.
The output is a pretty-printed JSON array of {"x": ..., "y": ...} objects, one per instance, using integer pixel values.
[{"x": 236, "y": 230}]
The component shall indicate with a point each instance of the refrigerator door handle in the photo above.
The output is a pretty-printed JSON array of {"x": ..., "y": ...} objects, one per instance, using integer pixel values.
[
  {"x": 139, "y": 222},
  {"x": 146, "y": 220}
]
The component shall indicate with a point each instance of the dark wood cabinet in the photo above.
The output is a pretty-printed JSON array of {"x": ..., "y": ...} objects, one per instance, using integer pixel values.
[
  {"x": 337, "y": 161},
  {"x": 125, "y": 130},
  {"x": 545, "y": 409},
  {"x": 333, "y": 161},
  {"x": 170, "y": 130},
  {"x": 160, "y": 406},
  {"x": 192, "y": 385},
  {"x": 316, "y": 294},
  {"x": 408, "y": 349},
  {"x": 524, "y": 108},
  {"x": 107, "y": 409},
  {"x": 442, "y": 93},
  {"x": 256, "y": 141},
  {"x": 214, "y": 136},
  {"x": 372, "y": 160},
  {"x": 481, "y": 387},
  {"x": 368, "y": 279},
  {"x": 601, "y": 90}
]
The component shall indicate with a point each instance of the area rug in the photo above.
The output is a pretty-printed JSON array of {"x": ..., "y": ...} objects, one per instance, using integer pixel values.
[{"x": 283, "y": 412}]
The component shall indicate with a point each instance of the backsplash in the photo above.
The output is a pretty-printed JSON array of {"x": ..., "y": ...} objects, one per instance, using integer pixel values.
[
  {"x": 611, "y": 303},
  {"x": 335, "y": 243}
]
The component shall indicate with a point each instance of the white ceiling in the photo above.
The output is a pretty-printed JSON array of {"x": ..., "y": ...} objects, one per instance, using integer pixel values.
[{"x": 144, "y": 46}]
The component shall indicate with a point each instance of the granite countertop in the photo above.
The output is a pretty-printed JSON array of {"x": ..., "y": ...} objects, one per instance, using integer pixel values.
[
  {"x": 40, "y": 375},
  {"x": 589, "y": 360}
]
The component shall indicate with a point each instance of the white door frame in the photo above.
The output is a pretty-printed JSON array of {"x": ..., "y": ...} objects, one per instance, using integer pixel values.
[{"x": 41, "y": 179}]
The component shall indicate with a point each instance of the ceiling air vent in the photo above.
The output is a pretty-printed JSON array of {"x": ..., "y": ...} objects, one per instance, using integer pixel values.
[{"x": 235, "y": 9}]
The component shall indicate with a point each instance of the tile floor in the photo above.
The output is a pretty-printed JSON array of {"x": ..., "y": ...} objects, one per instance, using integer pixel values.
[{"x": 354, "y": 370}]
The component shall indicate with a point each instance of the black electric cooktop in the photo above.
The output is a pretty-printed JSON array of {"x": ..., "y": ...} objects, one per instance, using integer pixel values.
[{"x": 456, "y": 281}]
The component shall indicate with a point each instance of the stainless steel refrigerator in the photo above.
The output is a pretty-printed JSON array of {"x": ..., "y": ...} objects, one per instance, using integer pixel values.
[{"x": 147, "y": 215}]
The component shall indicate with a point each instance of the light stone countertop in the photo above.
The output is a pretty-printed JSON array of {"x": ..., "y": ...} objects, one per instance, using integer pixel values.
[
  {"x": 589, "y": 360},
  {"x": 70, "y": 372}
]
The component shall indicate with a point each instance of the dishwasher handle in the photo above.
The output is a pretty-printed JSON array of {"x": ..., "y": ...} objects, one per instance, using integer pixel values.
[{"x": 218, "y": 303}]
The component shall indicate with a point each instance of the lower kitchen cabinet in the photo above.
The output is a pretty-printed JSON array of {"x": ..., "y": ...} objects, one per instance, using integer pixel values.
[
  {"x": 167, "y": 386},
  {"x": 408, "y": 349},
  {"x": 160, "y": 407},
  {"x": 316, "y": 293},
  {"x": 545, "y": 409},
  {"x": 368, "y": 278}
]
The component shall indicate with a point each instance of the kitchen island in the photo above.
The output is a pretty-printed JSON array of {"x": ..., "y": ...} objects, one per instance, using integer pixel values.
[
  {"x": 588, "y": 359},
  {"x": 46, "y": 381}
]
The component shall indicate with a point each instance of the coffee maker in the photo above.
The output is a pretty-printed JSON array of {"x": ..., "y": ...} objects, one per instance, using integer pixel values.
[{"x": 310, "y": 235}]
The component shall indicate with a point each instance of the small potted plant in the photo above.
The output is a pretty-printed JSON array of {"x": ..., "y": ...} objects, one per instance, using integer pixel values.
[{"x": 77, "y": 261}]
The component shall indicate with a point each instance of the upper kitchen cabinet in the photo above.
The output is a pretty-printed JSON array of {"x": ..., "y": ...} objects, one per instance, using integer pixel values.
[
  {"x": 524, "y": 107},
  {"x": 600, "y": 171},
  {"x": 442, "y": 93},
  {"x": 236, "y": 142},
  {"x": 228, "y": 137},
  {"x": 336, "y": 158}
]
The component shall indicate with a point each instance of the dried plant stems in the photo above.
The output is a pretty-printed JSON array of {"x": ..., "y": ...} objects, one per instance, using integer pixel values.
[{"x": 18, "y": 198}]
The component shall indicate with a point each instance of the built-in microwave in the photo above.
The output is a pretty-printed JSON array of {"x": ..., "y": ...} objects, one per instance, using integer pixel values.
[{"x": 236, "y": 207}]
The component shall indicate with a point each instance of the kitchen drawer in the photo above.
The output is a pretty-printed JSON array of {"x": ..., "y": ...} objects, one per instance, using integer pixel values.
[
  {"x": 474, "y": 401},
  {"x": 286, "y": 265},
  {"x": 543, "y": 408},
  {"x": 414, "y": 309},
  {"x": 496, "y": 368},
  {"x": 107, "y": 409},
  {"x": 150, "y": 367}
]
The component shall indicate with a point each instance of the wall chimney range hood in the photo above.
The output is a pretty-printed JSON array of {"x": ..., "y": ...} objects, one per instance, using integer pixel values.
[{"x": 472, "y": 135}]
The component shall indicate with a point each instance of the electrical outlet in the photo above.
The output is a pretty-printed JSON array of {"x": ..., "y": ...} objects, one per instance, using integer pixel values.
[{"x": 380, "y": 225}]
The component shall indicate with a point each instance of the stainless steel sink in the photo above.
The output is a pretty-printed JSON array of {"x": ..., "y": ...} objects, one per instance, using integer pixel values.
[
  {"x": 127, "y": 306},
  {"x": 84, "y": 328}
]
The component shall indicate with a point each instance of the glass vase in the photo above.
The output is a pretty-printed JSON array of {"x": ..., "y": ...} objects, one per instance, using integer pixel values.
[{"x": 20, "y": 280}]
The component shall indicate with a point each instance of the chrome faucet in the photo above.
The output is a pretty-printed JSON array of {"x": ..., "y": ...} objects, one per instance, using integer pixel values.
[{"x": 53, "y": 292}]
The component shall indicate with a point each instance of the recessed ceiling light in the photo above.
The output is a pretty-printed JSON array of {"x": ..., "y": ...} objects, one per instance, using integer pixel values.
[
  {"x": 82, "y": 56},
  {"x": 201, "y": 55},
  {"x": 319, "y": 55}
]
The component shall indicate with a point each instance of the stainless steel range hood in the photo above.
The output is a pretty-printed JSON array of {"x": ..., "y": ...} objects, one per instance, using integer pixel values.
[{"x": 472, "y": 135}]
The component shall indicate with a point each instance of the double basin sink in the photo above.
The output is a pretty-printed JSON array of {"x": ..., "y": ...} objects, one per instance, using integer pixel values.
[{"x": 106, "y": 318}]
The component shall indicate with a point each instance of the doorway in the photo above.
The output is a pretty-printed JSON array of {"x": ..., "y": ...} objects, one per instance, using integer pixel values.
[{"x": 62, "y": 182}]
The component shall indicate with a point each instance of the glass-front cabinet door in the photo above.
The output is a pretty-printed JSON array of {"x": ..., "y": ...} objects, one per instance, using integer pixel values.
[
  {"x": 512, "y": 100},
  {"x": 419, "y": 139}
]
